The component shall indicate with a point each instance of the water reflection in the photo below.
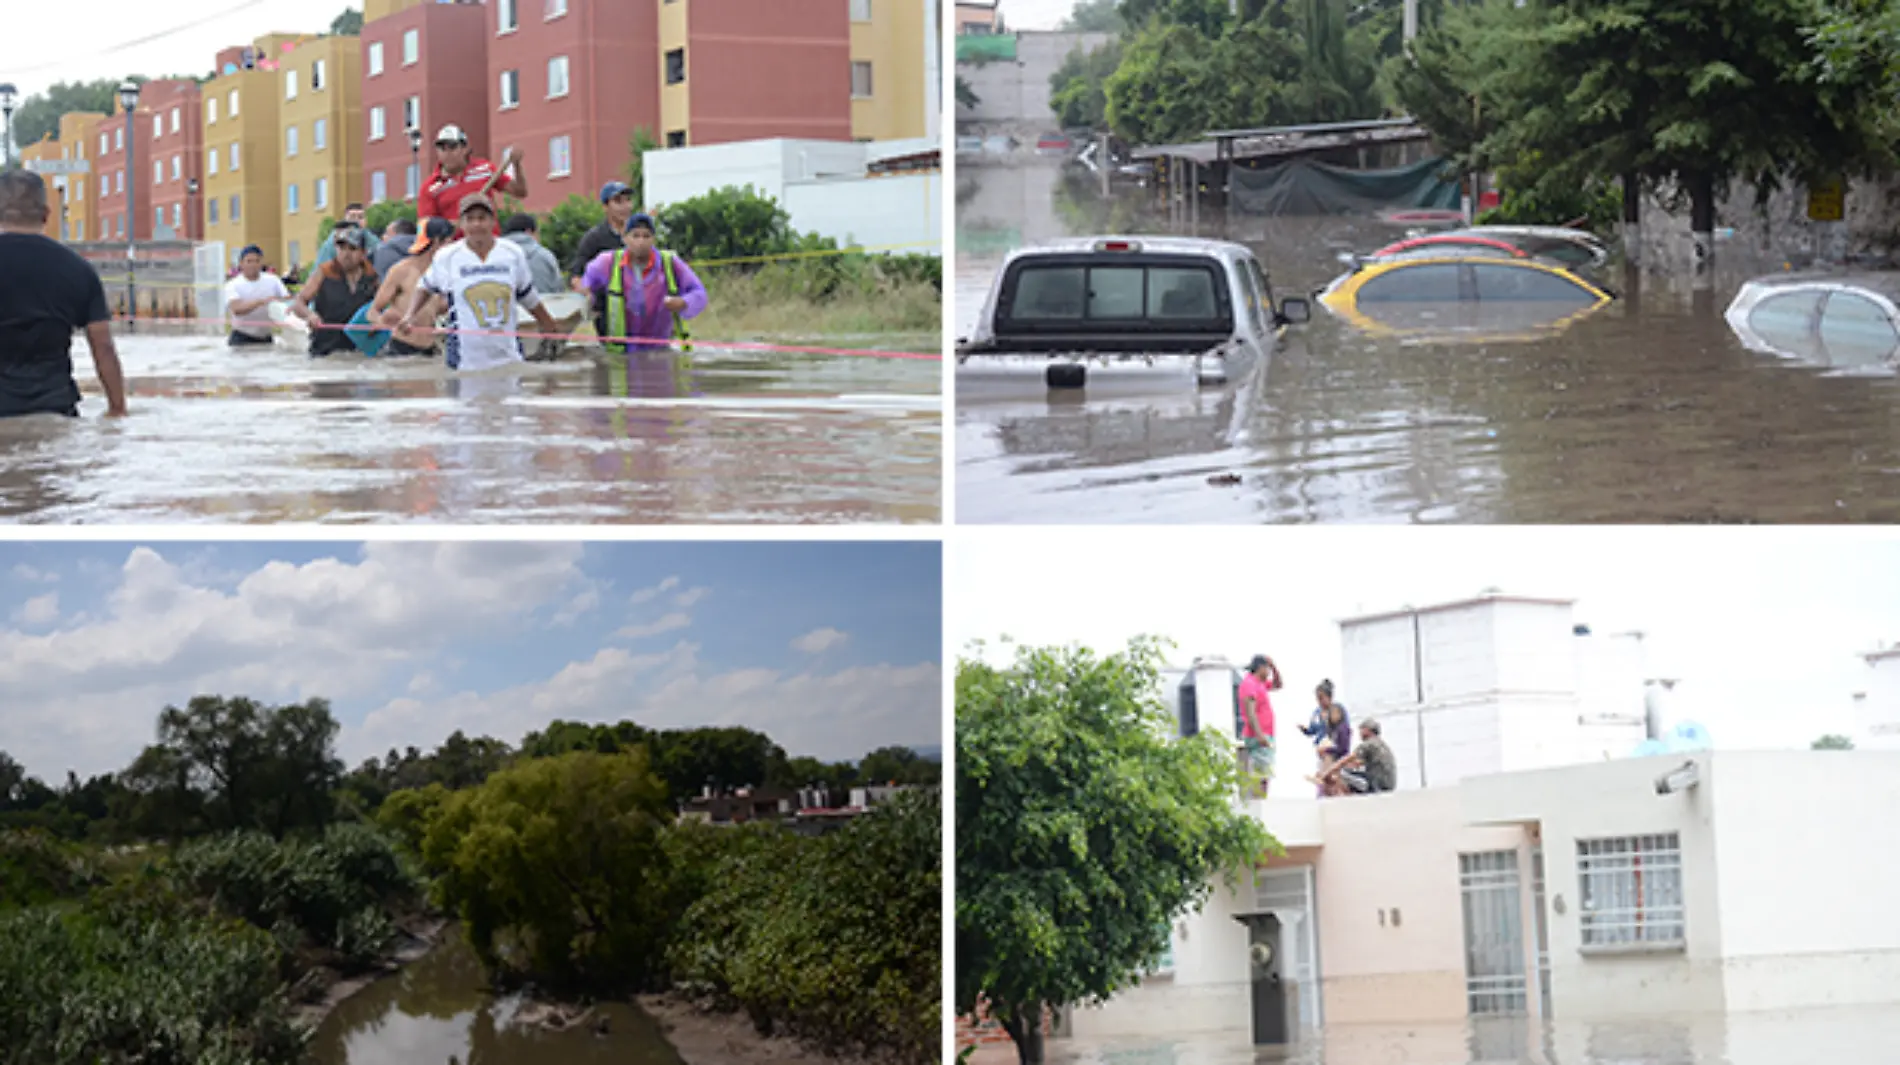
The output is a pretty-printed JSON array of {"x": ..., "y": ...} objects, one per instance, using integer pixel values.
[
  {"x": 269, "y": 436},
  {"x": 437, "y": 1007},
  {"x": 1650, "y": 410}
]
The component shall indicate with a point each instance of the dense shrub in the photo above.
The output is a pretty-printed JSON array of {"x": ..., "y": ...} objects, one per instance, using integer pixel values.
[{"x": 36, "y": 868}]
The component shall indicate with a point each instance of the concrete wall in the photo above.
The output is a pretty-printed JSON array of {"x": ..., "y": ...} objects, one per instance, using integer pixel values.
[
  {"x": 901, "y": 213},
  {"x": 1012, "y": 94},
  {"x": 1765, "y": 238}
]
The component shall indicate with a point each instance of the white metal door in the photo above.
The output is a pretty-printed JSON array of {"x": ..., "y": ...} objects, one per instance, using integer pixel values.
[
  {"x": 1494, "y": 932},
  {"x": 1288, "y": 893}
]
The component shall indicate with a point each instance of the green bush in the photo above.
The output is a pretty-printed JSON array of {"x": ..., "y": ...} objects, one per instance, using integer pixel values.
[
  {"x": 36, "y": 868},
  {"x": 320, "y": 888}
]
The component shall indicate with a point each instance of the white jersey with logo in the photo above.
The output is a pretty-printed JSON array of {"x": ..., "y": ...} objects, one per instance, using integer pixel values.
[{"x": 483, "y": 295}]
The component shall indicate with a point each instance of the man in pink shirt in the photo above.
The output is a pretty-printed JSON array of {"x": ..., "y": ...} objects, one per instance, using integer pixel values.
[{"x": 1256, "y": 719}]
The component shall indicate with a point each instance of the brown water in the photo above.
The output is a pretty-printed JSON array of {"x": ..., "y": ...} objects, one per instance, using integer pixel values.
[
  {"x": 710, "y": 437},
  {"x": 437, "y": 1008},
  {"x": 1649, "y": 411}
]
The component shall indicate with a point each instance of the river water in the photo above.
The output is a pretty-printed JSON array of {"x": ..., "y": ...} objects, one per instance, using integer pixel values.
[
  {"x": 437, "y": 1008},
  {"x": 1649, "y": 411},
  {"x": 271, "y": 436}
]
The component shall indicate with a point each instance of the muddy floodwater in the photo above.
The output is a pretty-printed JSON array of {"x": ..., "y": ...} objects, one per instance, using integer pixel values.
[
  {"x": 1649, "y": 411},
  {"x": 1815, "y": 1035},
  {"x": 708, "y": 437},
  {"x": 436, "y": 1009}
]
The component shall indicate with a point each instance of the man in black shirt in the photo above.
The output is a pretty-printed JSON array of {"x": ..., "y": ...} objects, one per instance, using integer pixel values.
[
  {"x": 46, "y": 294},
  {"x": 618, "y": 199}
]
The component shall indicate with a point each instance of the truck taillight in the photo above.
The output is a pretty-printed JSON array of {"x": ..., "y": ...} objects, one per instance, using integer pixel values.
[{"x": 1118, "y": 245}]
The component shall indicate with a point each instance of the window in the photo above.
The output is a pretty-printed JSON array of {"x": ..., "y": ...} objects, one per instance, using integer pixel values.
[
  {"x": 178, "y": 215},
  {"x": 1630, "y": 891},
  {"x": 322, "y": 202},
  {"x": 1429, "y": 283},
  {"x": 1167, "y": 293},
  {"x": 557, "y": 77},
  {"x": 234, "y": 208},
  {"x": 211, "y": 111},
  {"x": 412, "y": 113},
  {"x": 860, "y": 10},
  {"x": 290, "y": 85},
  {"x": 290, "y": 140},
  {"x": 510, "y": 89},
  {"x": 174, "y": 120},
  {"x": 316, "y": 76},
  {"x": 296, "y": 253},
  {"x": 378, "y": 187},
  {"x": 178, "y": 167},
  {"x": 211, "y": 211},
  {"x": 1515, "y": 284},
  {"x": 560, "y": 157},
  {"x": 378, "y": 124},
  {"x": 158, "y": 171},
  {"x": 1789, "y": 319},
  {"x": 555, "y": 9},
  {"x": 320, "y": 134},
  {"x": 860, "y": 80},
  {"x": 234, "y": 156},
  {"x": 411, "y": 46},
  {"x": 505, "y": 17},
  {"x": 676, "y": 66},
  {"x": 118, "y": 223},
  {"x": 1856, "y": 329},
  {"x": 375, "y": 58},
  {"x": 102, "y": 144},
  {"x": 118, "y": 139},
  {"x": 291, "y": 199},
  {"x": 158, "y": 126},
  {"x": 412, "y": 180},
  {"x": 158, "y": 220},
  {"x": 676, "y": 138},
  {"x": 233, "y": 101}
]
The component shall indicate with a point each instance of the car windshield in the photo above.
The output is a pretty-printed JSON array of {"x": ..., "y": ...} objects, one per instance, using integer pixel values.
[{"x": 1121, "y": 293}]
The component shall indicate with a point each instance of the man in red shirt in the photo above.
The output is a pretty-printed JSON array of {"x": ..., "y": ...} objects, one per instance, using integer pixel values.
[{"x": 458, "y": 174}]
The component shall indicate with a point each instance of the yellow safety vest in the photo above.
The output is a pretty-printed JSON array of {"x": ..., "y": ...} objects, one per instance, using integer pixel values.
[{"x": 617, "y": 300}]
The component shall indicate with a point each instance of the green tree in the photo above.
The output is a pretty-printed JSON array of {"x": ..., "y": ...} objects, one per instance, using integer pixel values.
[
  {"x": 1833, "y": 742},
  {"x": 1175, "y": 82},
  {"x": 726, "y": 223},
  {"x": 1083, "y": 828},
  {"x": 966, "y": 96},
  {"x": 1078, "y": 89},
  {"x": 236, "y": 763},
  {"x": 563, "y": 227},
  {"x": 901, "y": 765},
  {"x": 377, "y": 216},
  {"x": 1095, "y": 16},
  {"x": 638, "y": 145},
  {"x": 38, "y": 115},
  {"x": 347, "y": 24}
]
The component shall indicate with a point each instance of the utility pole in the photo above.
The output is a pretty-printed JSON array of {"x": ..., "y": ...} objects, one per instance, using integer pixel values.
[
  {"x": 129, "y": 99},
  {"x": 1411, "y": 22}
]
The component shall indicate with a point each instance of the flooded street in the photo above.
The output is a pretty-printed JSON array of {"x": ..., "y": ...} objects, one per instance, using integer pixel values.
[
  {"x": 1813, "y": 1035},
  {"x": 436, "y": 1010},
  {"x": 1648, "y": 411},
  {"x": 708, "y": 437}
]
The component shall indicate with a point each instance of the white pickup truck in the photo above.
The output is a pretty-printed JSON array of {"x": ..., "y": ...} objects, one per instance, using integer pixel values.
[{"x": 1103, "y": 301}]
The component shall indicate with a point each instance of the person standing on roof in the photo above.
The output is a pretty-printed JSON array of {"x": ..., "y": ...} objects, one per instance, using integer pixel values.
[
  {"x": 645, "y": 293},
  {"x": 458, "y": 175}
]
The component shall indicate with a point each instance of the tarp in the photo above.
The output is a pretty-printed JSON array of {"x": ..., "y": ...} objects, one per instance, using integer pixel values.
[
  {"x": 985, "y": 47},
  {"x": 1305, "y": 187}
]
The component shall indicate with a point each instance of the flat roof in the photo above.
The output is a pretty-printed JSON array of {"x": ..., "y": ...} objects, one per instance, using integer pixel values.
[{"x": 1476, "y": 600}]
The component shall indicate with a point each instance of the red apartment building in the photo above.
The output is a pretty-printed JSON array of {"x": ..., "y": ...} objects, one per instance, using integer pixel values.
[
  {"x": 424, "y": 65},
  {"x": 168, "y": 152},
  {"x": 753, "y": 71},
  {"x": 568, "y": 83}
]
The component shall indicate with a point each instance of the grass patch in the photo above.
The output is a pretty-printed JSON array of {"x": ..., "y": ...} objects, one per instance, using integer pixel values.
[{"x": 762, "y": 306}]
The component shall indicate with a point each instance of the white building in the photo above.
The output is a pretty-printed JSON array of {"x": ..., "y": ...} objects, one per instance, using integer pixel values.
[
  {"x": 1877, "y": 710},
  {"x": 849, "y": 191}
]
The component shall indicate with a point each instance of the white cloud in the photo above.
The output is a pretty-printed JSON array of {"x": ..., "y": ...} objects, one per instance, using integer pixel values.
[
  {"x": 31, "y": 575},
  {"x": 39, "y": 611},
  {"x": 690, "y": 597},
  {"x": 818, "y": 641},
  {"x": 647, "y": 595},
  {"x": 580, "y": 605},
  {"x": 647, "y": 630}
]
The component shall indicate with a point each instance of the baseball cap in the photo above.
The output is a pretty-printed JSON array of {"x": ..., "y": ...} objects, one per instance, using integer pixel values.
[
  {"x": 451, "y": 134},
  {"x": 434, "y": 231},
  {"x": 614, "y": 188},
  {"x": 474, "y": 200},
  {"x": 642, "y": 220},
  {"x": 349, "y": 235}
]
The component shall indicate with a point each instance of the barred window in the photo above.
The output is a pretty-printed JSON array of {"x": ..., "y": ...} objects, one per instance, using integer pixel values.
[{"x": 1631, "y": 890}]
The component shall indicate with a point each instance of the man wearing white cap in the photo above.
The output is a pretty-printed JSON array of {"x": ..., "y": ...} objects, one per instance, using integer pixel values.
[{"x": 458, "y": 174}]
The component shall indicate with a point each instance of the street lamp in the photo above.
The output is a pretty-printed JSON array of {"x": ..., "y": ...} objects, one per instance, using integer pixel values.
[
  {"x": 415, "y": 159},
  {"x": 191, "y": 207},
  {"x": 129, "y": 99},
  {"x": 7, "y": 93}
]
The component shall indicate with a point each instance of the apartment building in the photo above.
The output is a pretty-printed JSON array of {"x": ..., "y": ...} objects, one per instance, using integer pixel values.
[
  {"x": 79, "y": 204},
  {"x": 241, "y": 169},
  {"x": 320, "y": 138},
  {"x": 977, "y": 17},
  {"x": 569, "y": 82},
  {"x": 424, "y": 66},
  {"x": 174, "y": 157},
  {"x": 796, "y": 56},
  {"x": 31, "y": 156},
  {"x": 891, "y": 68}
]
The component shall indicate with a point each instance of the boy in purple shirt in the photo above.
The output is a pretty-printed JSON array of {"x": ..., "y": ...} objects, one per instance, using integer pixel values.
[{"x": 642, "y": 293}]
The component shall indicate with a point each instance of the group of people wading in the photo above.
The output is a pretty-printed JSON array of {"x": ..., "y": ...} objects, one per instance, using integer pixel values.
[{"x": 1342, "y": 769}]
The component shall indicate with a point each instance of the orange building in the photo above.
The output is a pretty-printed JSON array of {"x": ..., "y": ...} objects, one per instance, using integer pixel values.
[
  {"x": 34, "y": 157},
  {"x": 79, "y": 205}
]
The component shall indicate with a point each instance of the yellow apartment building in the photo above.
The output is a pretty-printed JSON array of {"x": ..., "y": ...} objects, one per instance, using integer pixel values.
[
  {"x": 77, "y": 132},
  {"x": 46, "y": 151},
  {"x": 676, "y": 111},
  {"x": 319, "y": 143},
  {"x": 888, "y": 94},
  {"x": 241, "y": 171}
]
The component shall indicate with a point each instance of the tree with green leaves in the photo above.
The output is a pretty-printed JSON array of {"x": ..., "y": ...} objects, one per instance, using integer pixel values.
[
  {"x": 1095, "y": 16},
  {"x": 235, "y": 763},
  {"x": 1078, "y": 90},
  {"x": 639, "y": 143},
  {"x": 1833, "y": 742},
  {"x": 347, "y": 24},
  {"x": 966, "y": 96},
  {"x": 38, "y": 115},
  {"x": 1084, "y": 826}
]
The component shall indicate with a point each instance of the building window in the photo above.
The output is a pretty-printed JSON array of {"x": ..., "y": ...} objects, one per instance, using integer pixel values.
[
  {"x": 322, "y": 201},
  {"x": 375, "y": 58},
  {"x": 178, "y": 216},
  {"x": 378, "y": 187},
  {"x": 316, "y": 76},
  {"x": 291, "y": 199},
  {"x": 556, "y": 8},
  {"x": 233, "y": 101},
  {"x": 676, "y": 66},
  {"x": 174, "y": 120},
  {"x": 118, "y": 139},
  {"x": 158, "y": 127},
  {"x": 290, "y": 85},
  {"x": 234, "y": 207},
  {"x": 1630, "y": 891},
  {"x": 296, "y": 252},
  {"x": 411, "y": 47},
  {"x": 676, "y": 138},
  {"x": 860, "y": 10},
  {"x": 234, "y": 156},
  {"x": 412, "y": 113},
  {"x": 560, "y": 157},
  {"x": 378, "y": 124},
  {"x": 102, "y": 144},
  {"x": 211, "y": 211},
  {"x": 320, "y": 134},
  {"x": 290, "y": 140},
  {"x": 505, "y": 17},
  {"x": 158, "y": 171},
  {"x": 510, "y": 89},
  {"x": 211, "y": 111},
  {"x": 557, "y": 77},
  {"x": 178, "y": 167},
  {"x": 860, "y": 80}
]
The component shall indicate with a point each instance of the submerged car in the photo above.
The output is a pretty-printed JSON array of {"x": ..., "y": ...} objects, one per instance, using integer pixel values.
[
  {"x": 1456, "y": 296},
  {"x": 1204, "y": 305},
  {"x": 1847, "y": 320},
  {"x": 1459, "y": 243},
  {"x": 1575, "y": 248}
]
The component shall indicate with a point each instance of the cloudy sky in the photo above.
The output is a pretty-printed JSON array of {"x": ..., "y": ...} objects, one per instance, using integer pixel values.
[
  {"x": 1035, "y": 14},
  {"x": 1764, "y": 627},
  {"x": 831, "y": 649}
]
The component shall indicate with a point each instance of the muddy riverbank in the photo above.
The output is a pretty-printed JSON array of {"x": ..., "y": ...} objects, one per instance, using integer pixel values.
[{"x": 703, "y": 1037}]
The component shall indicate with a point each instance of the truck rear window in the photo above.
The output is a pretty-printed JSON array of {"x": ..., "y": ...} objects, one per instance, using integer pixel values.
[{"x": 1160, "y": 296}]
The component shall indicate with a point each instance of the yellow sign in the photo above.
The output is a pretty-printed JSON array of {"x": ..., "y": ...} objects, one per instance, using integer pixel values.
[{"x": 1827, "y": 201}]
